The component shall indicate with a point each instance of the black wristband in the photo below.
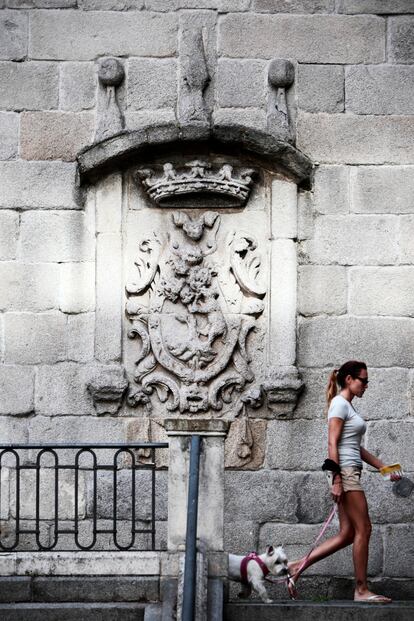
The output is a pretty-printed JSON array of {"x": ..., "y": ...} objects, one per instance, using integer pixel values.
[{"x": 330, "y": 464}]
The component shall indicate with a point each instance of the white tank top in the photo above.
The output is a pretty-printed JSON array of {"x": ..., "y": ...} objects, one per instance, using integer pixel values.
[{"x": 349, "y": 446}]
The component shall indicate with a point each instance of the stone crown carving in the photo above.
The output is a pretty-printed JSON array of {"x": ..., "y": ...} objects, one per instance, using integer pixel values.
[{"x": 211, "y": 185}]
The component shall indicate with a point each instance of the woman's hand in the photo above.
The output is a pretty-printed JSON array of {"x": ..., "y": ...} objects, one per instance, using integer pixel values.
[{"x": 337, "y": 490}]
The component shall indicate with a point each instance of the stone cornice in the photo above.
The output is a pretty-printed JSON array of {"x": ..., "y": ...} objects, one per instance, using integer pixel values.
[{"x": 251, "y": 144}]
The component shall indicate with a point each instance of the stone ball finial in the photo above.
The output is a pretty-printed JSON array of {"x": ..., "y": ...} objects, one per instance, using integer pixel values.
[
  {"x": 281, "y": 73},
  {"x": 110, "y": 72}
]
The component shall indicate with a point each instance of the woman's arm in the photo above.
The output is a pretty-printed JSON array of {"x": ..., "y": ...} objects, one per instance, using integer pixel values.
[
  {"x": 335, "y": 427},
  {"x": 370, "y": 459}
]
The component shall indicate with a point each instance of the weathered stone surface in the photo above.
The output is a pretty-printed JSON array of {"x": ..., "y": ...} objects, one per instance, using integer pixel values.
[
  {"x": 47, "y": 185},
  {"x": 96, "y": 588},
  {"x": 381, "y": 291},
  {"x": 240, "y": 536},
  {"x": 379, "y": 341},
  {"x": 320, "y": 88},
  {"x": 29, "y": 86},
  {"x": 382, "y": 89},
  {"x": 392, "y": 442},
  {"x": 387, "y": 396},
  {"x": 310, "y": 39},
  {"x": 148, "y": 118},
  {"x": 9, "y": 230},
  {"x": 306, "y": 442},
  {"x": 41, "y": 4},
  {"x": 297, "y": 540},
  {"x": 382, "y": 189},
  {"x": 174, "y": 5},
  {"x": 283, "y": 306},
  {"x": 110, "y": 5},
  {"x": 55, "y": 135},
  {"x": 13, "y": 42},
  {"x": 271, "y": 496},
  {"x": 107, "y": 387},
  {"x": 305, "y": 215},
  {"x": 34, "y": 339},
  {"x": 406, "y": 236},
  {"x": 228, "y": 6},
  {"x": 81, "y": 337},
  {"x": 28, "y": 287},
  {"x": 108, "y": 297},
  {"x": 331, "y": 189},
  {"x": 77, "y": 86},
  {"x": 143, "y": 34},
  {"x": 253, "y": 117},
  {"x": 401, "y": 39},
  {"x": 293, "y": 6},
  {"x": 77, "y": 287},
  {"x": 240, "y": 83},
  {"x": 384, "y": 506},
  {"x": 13, "y": 432},
  {"x": 56, "y": 236},
  {"x": 339, "y": 138},
  {"x": 284, "y": 210},
  {"x": 17, "y": 389},
  {"x": 152, "y": 83},
  {"x": 353, "y": 240},
  {"x": 322, "y": 289},
  {"x": 399, "y": 550},
  {"x": 9, "y": 131},
  {"x": 387, "y": 7},
  {"x": 76, "y": 429},
  {"x": 61, "y": 390},
  {"x": 233, "y": 458}
]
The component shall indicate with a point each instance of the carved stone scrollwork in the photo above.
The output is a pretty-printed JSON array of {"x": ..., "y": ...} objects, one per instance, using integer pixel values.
[
  {"x": 282, "y": 388},
  {"x": 211, "y": 186},
  {"x": 192, "y": 331},
  {"x": 107, "y": 390}
]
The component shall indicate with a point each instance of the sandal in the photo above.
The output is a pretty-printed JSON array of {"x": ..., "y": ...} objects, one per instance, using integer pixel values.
[{"x": 374, "y": 599}]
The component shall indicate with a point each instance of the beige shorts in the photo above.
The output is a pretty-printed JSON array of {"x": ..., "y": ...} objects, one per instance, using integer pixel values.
[{"x": 350, "y": 479}]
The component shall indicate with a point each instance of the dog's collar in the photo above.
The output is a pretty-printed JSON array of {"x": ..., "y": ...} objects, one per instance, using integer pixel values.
[{"x": 252, "y": 556}]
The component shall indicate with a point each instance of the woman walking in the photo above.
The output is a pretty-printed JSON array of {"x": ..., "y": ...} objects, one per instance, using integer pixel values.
[{"x": 345, "y": 431}]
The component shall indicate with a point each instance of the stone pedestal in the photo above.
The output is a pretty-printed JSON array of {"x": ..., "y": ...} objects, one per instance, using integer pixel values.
[{"x": 211, "y": 489}]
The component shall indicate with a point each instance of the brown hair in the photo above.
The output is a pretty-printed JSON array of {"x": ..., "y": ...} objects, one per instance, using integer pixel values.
[{"x": 338, "y": 376}]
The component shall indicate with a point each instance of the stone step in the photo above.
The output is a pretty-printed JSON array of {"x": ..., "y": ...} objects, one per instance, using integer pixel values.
[
  {"x": 319, "y": 611},
  {"x": 97, "y": 611}
]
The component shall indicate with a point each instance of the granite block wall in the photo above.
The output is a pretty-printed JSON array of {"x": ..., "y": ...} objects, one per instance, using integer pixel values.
[{"x": 353, "y": 114}]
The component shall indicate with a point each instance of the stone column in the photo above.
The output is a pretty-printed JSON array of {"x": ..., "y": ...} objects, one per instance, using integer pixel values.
[{"x": 211, "y": 489}]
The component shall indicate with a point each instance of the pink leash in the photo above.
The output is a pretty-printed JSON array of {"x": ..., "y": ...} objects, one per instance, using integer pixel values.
[{"x": 305, "y": 560}]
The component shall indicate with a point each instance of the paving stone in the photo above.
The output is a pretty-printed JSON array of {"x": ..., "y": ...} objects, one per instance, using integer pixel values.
[
  {"x": 382, "y": 189},
  {"x": 55, "y": 135},
  {"x": 9, "y": 231},
  {"x": 28, "y": 287},
  {"x": 293, "y": 6},
  {"x": 354, "y": 240},
  {"x": 401, "y": 39},
  {"x": 9, "y": 135},
  {"x": 381, "y": 342},
  {"x": 386, "y": 7},
  {"x": 56, "y": 236},
  {"x": 322, "y": 289},
  {"x": 271, "y": 496},
  {"x": 382, "y": 89},
  {"x": 392, "y": 442},
  {"x": 14, "y": 29},
  {"x": 78, "y": 84},
  {"x": 406, "y": 236},
  {"x": 320, "y": 88},
  {"x": 102, "y": 588},
  {"x": 307, "y": 38},
  {"x": 354, "y": 139},
  {"x": 399, "y": 550},
  {"x": 15, "y": 589},
  {"x": 296, "y": 445},
  {"x": 381, "y": 291},
  {"x": 38, "y": 185},
  {"x": 152, "y": 83},
  {"x": 241, "y": 83},
  {"x": 331, "y": 189},
  {"x": 61, "y": 390},
  {"x": 17, "y": 390},
  {"x": 143, "y": 34},
  {"x": 81, "y": 337},
  {"x": 29, "y": 86},
  {"x": 77, "y": 287},
  {"x": 34, "y": 339},
  {"x": 110, "y": 5}
]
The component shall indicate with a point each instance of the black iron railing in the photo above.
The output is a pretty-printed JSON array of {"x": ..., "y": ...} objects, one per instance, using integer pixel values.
[{"x": 80, "y": 496}]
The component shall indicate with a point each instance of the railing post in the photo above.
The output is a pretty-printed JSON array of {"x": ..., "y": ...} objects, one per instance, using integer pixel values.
[{"x": 190, "y": 566}]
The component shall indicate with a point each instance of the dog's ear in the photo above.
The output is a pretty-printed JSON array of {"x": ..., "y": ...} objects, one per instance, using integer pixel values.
[{"x": 270, "y": 550}]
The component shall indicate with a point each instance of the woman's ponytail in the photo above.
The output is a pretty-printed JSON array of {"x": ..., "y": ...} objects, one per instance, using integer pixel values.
[{"x": 332, "y": 388}]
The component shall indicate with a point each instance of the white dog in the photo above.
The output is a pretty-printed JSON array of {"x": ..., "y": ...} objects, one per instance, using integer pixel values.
[{"x": 252, "y": 569}]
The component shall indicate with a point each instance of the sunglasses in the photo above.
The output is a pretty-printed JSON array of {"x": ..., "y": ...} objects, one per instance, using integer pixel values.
[{"x": 363, "y": 380}]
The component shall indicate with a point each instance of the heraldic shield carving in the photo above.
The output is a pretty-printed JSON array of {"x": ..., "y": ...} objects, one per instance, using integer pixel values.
[{"x": 192, "y": 309}]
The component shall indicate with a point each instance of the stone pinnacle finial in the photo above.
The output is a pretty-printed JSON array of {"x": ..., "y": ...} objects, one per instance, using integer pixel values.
[
  {"x": 281, "y": 75},
  {"x": 110, "y": 120}
]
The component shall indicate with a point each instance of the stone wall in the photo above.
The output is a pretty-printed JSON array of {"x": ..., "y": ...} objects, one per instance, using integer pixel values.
[{"x": 352, "y": 109}]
